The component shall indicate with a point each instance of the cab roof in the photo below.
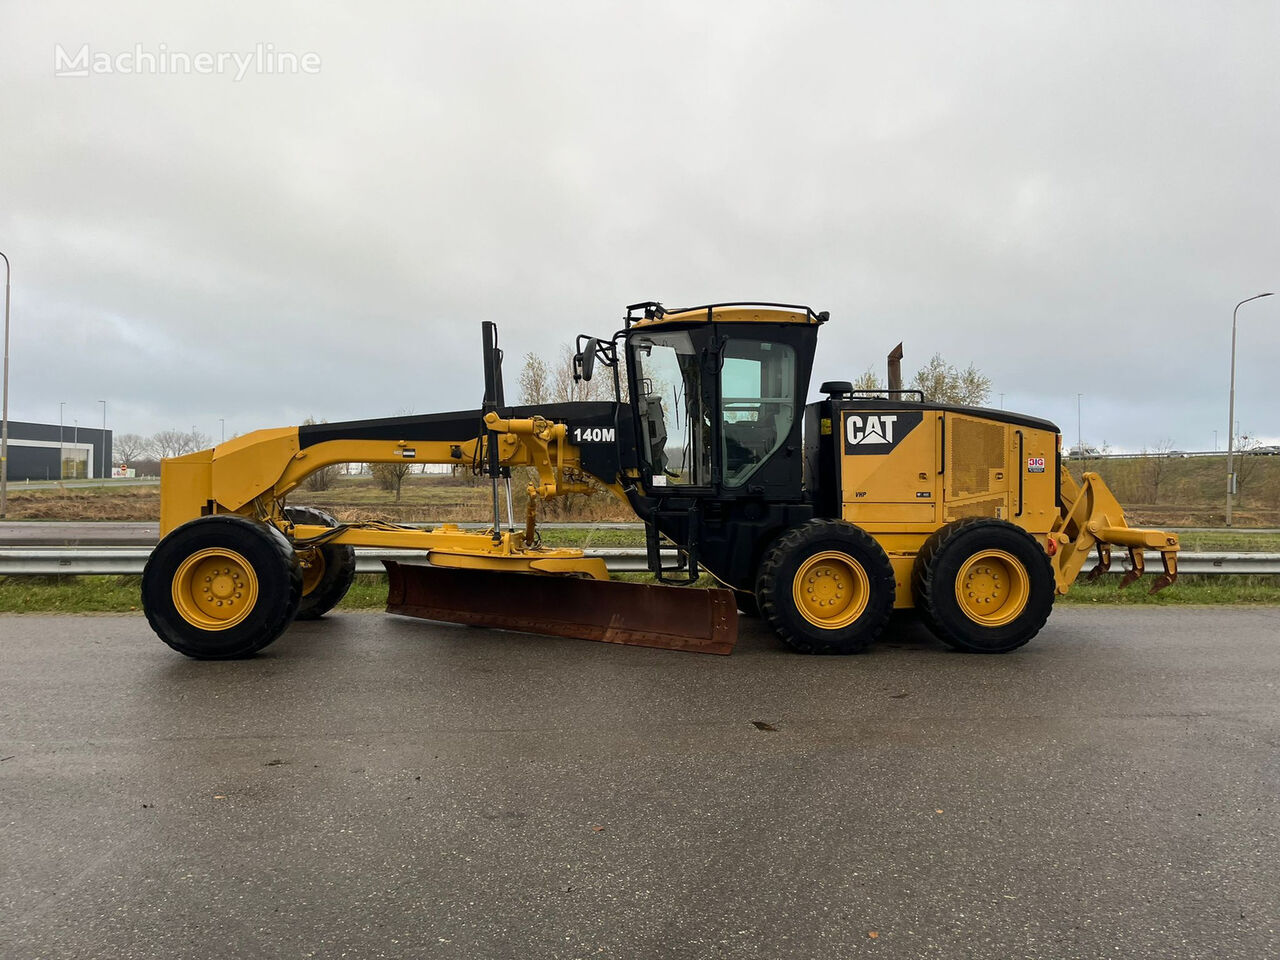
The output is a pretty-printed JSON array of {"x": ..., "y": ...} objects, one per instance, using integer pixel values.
[{"x": 652, "y": 314}]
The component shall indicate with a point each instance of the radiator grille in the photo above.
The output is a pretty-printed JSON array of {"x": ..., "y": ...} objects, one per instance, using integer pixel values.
[{"x": 977, "y": 448}]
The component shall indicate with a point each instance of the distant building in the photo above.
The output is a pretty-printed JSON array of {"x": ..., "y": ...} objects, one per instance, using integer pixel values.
[{"x": 47, "y": 451}]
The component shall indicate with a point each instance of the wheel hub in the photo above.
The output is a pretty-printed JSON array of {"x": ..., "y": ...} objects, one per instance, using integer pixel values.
[
  {"x": 313, "y": 568},
  {"x": 214, "y": 589},
  {"x": 992, "y": 588},
  {"x": 831, "y": 590}
]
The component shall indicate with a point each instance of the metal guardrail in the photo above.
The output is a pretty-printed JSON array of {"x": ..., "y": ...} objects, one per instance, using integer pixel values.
[
  {"x": 123, "y": 561},
  {"x": 111, "y": 533},
  {"x": 85, "y": 561}
]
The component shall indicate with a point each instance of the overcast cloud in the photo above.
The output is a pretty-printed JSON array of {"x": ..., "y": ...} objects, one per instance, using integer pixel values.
[{"x": 1072, "y": 196}]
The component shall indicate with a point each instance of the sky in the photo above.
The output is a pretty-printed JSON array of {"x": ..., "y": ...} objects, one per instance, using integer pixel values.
[{"x": 1071, "y": 196}]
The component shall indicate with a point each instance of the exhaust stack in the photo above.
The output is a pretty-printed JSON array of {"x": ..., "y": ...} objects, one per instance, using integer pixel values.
[{"x": 895, "y": 370}]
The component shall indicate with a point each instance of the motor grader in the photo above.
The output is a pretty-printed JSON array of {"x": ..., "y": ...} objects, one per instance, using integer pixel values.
[{"x": 821, "y": 517}]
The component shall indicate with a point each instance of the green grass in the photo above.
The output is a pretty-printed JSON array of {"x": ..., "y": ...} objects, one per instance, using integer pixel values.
[
  {"x": 1229, "y": 541},
  {"x": 369, "y": 592},
  {"x": 1190, "y": 589}
]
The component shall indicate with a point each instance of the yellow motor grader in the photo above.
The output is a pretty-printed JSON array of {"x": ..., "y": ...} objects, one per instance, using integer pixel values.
[{"x": 820, "y": 517}]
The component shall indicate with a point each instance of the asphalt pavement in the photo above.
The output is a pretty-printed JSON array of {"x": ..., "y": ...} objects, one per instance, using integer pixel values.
[{"x": 373, "y": 786}]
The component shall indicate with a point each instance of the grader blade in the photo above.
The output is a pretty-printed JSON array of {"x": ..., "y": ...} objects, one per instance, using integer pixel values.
[{"x": 611, "y": 611}]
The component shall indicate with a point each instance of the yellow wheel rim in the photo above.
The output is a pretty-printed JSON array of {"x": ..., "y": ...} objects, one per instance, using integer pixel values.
[
  {"x": 312, "y": 563},
  {"x": 992, "y": 588},
  {"x": 831, "y": 590},
  {"x": 215, "y": 589}
]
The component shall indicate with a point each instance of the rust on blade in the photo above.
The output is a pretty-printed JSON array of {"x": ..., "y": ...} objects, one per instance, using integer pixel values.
[{"x": 611, "y": 611}]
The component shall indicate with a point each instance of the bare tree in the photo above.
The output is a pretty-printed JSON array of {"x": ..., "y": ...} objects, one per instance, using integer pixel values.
[
  {"x": 127, "y": 447},
  {"x": 169, "y": 443},
  {"x": 390, "y": 476},
  {"x": 869, "y": 381},
  {"x": 535, "y": 380},
  {"x": 565, "y": 389},
  {"x": 323, "y": 478},
  {"x": 942, "y": 382},
  {"x": 175, "y": 443},
  {"x": 1155, "y": 465},
  {"x": 1247, "y": 461}
]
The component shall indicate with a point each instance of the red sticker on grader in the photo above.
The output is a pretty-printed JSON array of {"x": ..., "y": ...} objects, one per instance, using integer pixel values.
[{"x": 1035, "y": 464}]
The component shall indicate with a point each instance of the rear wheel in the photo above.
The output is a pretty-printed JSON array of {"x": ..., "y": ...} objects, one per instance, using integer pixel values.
[
  {"x": 984, "y": 585},
  {"x": 221, "y": 587},
  {"x": 826, "y": 587},
  {"x": 327, "y": 571}
]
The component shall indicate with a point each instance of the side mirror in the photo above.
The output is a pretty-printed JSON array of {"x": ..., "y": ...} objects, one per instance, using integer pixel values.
[{"x": 584, "y": 363}]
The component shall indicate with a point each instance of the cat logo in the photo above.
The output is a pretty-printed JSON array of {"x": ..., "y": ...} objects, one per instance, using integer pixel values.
[
  {"x": 870, "y": 433},
  {"x": 878, "y": 429}
]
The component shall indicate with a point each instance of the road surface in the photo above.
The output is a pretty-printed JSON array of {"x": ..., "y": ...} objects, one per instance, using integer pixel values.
[{"x": 380, "y": 787}]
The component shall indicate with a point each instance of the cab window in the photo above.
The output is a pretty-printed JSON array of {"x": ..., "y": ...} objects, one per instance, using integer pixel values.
[{"x": 757, "y": 404}]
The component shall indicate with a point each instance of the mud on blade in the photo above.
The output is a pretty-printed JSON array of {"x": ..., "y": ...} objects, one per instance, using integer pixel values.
[{"x": 639, "y": 614}]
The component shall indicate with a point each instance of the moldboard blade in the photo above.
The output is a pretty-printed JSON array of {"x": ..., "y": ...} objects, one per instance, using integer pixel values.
[{"x": 639, "y": 614}]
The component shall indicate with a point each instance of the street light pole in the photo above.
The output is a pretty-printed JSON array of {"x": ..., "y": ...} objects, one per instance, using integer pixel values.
[
  {"x": 61, "y": 404},
  {"x": 1231, "y": 407},
  {"x": 103, "y": 474},
  {"x": 4, "y": 425}
]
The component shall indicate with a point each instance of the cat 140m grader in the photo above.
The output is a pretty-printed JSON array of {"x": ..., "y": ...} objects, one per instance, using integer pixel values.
[{"x": 822, "y": 518}]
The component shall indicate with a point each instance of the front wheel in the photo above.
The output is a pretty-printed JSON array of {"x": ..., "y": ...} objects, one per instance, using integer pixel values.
[
  {"x": 826, "y": 587},
  {"x": 984, "y": 585},
  {"x": 221, "y": 587}
]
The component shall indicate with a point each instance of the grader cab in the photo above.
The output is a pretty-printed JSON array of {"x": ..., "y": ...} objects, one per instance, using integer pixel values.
[{"x": 820, "y": 517}]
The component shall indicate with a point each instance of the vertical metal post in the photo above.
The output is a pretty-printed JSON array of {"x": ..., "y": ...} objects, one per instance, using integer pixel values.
[
  {"x": 1231, "y": 408},
  {"x": 4, "y": 424},
  {"x": 61, "y": 404}
]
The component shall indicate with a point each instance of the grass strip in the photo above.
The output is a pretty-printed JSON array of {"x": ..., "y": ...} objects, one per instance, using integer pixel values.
[{"x": 106, "y": 594}]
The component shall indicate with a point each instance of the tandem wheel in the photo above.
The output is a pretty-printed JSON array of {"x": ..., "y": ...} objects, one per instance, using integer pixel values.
[
  {"x": 983, "y": 585},
  {"x": 826, "y": 587},
  {"x": 327, "y": 571}
]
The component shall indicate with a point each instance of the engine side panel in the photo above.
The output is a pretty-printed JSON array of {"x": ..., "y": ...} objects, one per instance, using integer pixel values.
[{"x": 903, "y": 470}]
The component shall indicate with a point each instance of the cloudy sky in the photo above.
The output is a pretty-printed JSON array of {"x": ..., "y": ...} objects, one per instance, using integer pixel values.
[{"x": 1073, "y": 196}]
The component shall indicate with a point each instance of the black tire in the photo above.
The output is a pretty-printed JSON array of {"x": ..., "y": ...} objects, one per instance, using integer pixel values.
[
  {"x": 748, "y": 605},
  {"x": 1011, "y": 578},
  {"x": 826, "y": 587},
  {"x": 327, "y": 571},
  {"x": 239, "y": 562}
]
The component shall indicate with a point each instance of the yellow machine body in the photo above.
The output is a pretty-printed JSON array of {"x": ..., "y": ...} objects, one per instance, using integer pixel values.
[
  {"x": 956, "y": 465},
  {"x": 821, "y": 517}
]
